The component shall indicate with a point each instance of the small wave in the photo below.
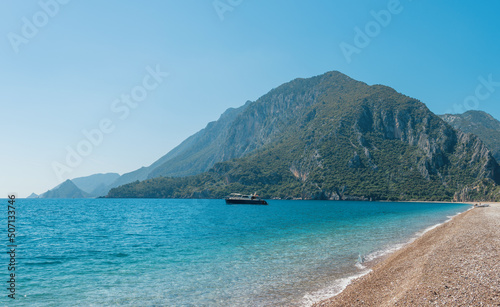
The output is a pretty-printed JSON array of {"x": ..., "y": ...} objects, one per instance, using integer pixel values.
[
  {"x": 359, "y": 263},
  {"x": 393, "y": 248},
  {"x": 450, "y": 217},
  {"x": 338, "y": 286},
  {"x": 387, "y": 251},
  {"x": 421, "y": 233},
  {"x": 360, "y": 266}
]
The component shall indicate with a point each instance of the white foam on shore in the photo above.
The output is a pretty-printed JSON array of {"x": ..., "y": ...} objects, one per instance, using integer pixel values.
[
  {"x": 396, "y": 247},
  {"x": 421, "y": 233},
  {"x": 339, "y": 285},
  {"x": 360, "y": 266},
  {"x": 387, "y": 251}
]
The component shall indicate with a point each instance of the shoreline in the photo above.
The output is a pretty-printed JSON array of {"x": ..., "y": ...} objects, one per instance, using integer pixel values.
[
  {"x": 372, "y": 259},
  {"x": 400, "y": 277}
]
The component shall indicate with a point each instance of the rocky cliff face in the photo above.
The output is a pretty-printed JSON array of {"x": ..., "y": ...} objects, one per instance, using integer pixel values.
[
  {"x": 439, "y": 143},
  {"x": 266, "y": 120},
  {"x": 432, "y": 136},
  {"x": 480, "y": 124}
]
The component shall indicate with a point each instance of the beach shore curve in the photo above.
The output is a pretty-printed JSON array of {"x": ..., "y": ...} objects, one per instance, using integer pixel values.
[{"x": 455, "y": 264}]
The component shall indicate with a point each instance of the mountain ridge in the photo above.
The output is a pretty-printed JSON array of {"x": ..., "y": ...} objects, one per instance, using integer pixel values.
[
  {"x": 95, "y": 184},
  {"x": 332, "y": 137},
  {"x": 178, "y": 161},
  {"x": 202, "y": 150},
  {"x": 480, "y": 123}
]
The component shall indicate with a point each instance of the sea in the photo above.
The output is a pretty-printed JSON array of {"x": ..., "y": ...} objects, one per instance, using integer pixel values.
[{"x": 188, "y": 252}]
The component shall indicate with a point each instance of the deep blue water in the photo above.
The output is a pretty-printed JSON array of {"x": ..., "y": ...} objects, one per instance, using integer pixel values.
[{"x": 146, "y": 252}]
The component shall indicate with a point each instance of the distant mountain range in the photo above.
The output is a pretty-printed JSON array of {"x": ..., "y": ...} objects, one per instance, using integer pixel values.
[
  {"x": 83, "y": 187},
  {"x": 67, "y": 189},
  {"x": 96, "y": 185},
  {"x": 326, "y": 137},
  {"x": 196, "y": 154}
]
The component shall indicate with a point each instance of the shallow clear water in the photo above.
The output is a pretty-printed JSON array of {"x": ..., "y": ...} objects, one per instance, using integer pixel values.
[{"x": 136, "y": 252}]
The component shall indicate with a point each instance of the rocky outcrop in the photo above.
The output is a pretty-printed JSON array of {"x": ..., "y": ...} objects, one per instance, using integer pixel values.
[
  {"x": 355, "y": 162},
  {"x": 478, "y": 123}
]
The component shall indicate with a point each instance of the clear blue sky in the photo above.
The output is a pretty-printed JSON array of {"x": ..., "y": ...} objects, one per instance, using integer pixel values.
[{"x": 75, "y": 60}]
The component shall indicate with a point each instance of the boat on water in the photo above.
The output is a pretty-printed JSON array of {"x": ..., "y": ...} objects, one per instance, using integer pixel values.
[{"x": 239, "y": 199}]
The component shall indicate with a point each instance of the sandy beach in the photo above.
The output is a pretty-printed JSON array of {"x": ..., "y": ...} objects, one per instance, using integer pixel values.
[{"x": 455, "y": 264}]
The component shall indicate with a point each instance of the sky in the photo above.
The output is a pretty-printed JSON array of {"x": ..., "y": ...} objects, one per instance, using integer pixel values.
[{"x": 110, "y": 86}]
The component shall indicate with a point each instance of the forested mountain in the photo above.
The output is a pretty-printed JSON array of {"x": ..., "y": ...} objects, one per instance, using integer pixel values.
[{"x": 331, "y": 137}]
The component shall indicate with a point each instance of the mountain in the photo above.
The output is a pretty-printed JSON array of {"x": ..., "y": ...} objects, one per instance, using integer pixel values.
[
  {"x": 332, "y": 137},
  {"x": 90, "y": 186},
  {"x": 480, "y": 123},
  {"x": 201, "y": 151},
  {"x": 66, "y": 189},
  {"x": 196, "y": 154},
  {"x": 97, "y": 184},
  {"x": 33, "y": 195}
]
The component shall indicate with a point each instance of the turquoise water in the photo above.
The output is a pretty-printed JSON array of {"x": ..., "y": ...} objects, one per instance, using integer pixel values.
[{"x": 146, "y": 252}]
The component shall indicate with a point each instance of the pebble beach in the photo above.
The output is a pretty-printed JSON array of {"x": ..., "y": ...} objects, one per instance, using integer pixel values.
[{"x": 455, "y": 264}]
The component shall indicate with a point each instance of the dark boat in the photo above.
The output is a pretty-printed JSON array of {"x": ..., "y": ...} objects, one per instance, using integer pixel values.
[{"x": 238, "y": 199}]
